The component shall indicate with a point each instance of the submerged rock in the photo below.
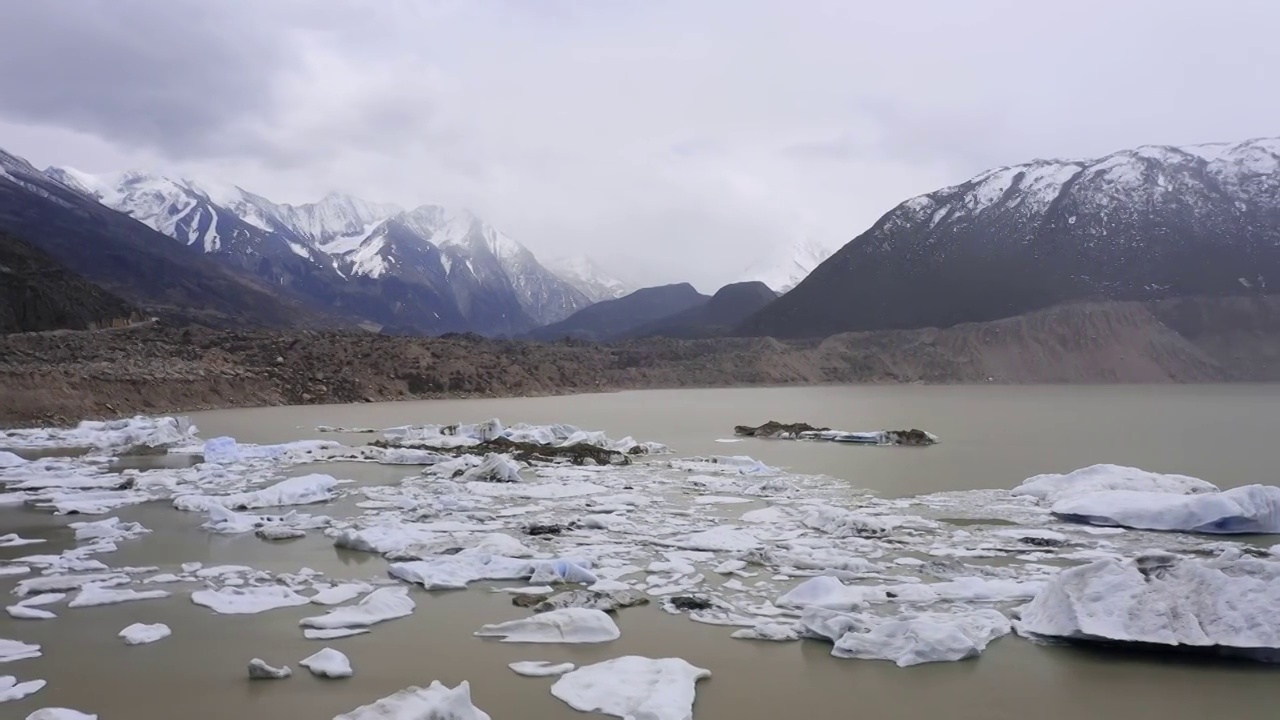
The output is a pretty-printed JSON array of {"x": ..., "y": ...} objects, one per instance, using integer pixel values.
[
  {"x": 550, "y": 529},
  {"x": 686, "y": 603},
  {"x": 805, "y": 431},
  {"x": 1225, "y": 605}
]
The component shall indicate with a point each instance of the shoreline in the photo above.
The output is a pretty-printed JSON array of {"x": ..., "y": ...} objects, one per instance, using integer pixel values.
[{"x": 59, "y": 378}]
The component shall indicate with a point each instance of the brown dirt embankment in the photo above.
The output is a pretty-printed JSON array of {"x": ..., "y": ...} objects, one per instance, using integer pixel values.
[{"x": 64, "y": 377}]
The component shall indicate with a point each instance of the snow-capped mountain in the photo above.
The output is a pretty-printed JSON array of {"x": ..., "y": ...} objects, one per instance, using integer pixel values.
[
  {"x": 784, "y": 267},
  {"x": 1146, "y": 223},
  {"x": 589, "y": 278},
  {"x": 426, "y": 269}
]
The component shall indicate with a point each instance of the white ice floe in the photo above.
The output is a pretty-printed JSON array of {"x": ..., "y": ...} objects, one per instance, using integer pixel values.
[
  {"x": 270, "y": 527},
  {"x": 226, "y": 451},
  {"x": 839, "y": 522},
  {"x": 103, "y": 435},
  {"x": 727, "y": 464},
  {"x": 6, "y": 570},
  {"x": 1252, "y": 509},
  {"x": 338, "y": 594},
  {"x": 14, "y": 540},
  {"x": 455, "y": 572},
  {"x": 91, "y": 596},
  {"x": 62, "y": 583},
  {"x": 260, "y": 670},
  {"x": 776, "y": 632},
  {"x": 559, "y": 435},
  {"x": 9, "y": 460},
  {"x": 568, "y": 625},
  {"x": 495, "y": 467},
  {"x": 633, "y": 687},
  {"x": 26, "y": 612},
  {"x": 828, "y": 592},
  {"x": 908, "y": 639},
  {"x": 140, "y": 634},
  {"x": 383, "y": 604},
  {"x": 435, "y": 702},
  {"x": 11, "y": 650},
  {"x": 540, "y": 668},
  {"x": 328, "y": 663},
  {"x": 301, "y": 490},
  {"x": 248, "y": 600},
  {"x": 332, "y": 633},
  {"x": 113, "y": 529},
  {"x": 409, "y": 456},
  {"x": 60, "y": 714},
  {"x": 1161, "y": 599},
  {"x": 723, "y": 538},
  {"x": 11, "y": 689},
  {"x": 1051, "y": 488}
]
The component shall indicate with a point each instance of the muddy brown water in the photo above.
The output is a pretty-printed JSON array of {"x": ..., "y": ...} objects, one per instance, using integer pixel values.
[{"x": 992, "y": 437}]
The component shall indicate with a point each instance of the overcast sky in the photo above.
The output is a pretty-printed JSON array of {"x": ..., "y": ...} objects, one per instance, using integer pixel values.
[{"x": 669, "y": 139}]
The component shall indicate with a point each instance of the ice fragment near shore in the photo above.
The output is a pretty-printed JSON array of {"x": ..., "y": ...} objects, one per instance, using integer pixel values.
[
  {"x": 436, "y": 702},
  {"x": 567, "y": 625},
  {"x": 328, "y": 663},
  {"x": 140, "y": 634},
  {"x": 11, "y": 689},
  {"x": 160, "y": 431},
  {"x": 11, "y": 650},
  {"x": 1252, "y": 509},
  {"x": 540, "y": 668},
  {"x": 633, "y": 687},
  {"x": 1161, "y": 599}
]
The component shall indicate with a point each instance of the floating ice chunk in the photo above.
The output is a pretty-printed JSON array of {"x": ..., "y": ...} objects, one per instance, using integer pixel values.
[
  {"x": 719, "y": 500},
  {"x": 383, "y": 604},
  {"x": 776, "y": 632},
  {"x": 279, "y": 532},
  {"x": 436, "y": 702},
  {"x": 222, "y": 450},
  {"x": 42, "y": 599},
  {"x": 828, "y": 592},
  {"x": 540, "y": 668},
  {"x": 91, "y": 502},
  {"x": 11, "y": 689},
  {"x": 723, "y": 538},
  {"x": 291, "y": 524},
  {"x": 730, "y": 464},
  {"x": 102, "y": 435},
  {"x": 332, "y": 633},
  {"x": 495, "y": 467},
  {"x": 8, "y": 460},
  {"x": 90, "y": 596},
  {"x": 301, "y": 490},
  {"x": 14, "y": 540},
  {"x": 328, "y": 663},
  {"x": 140, "y": 634},
  {"x": 113, "y": 529},
  {"x": 527, "y": 590},
  {"x": 772, "y": 514},
  {"x": 567, "y": 625},
  {"x": 1161, "y": 599},
  {"x": 1051, "y": 488},
  {"x": 910, "y": 639},
  {"x": 6, "y": 570},
  {"x": 839, "y": 522},
  {"x": 260, "y": 670},
  {"x": 1252, "y": 509},
  {"x": 409, "y": 456},
  {"x": 248, "y": 600},
  {"x": 454, "y": 572},
  {"x": 532, "y": 491},
  {"x": 339, "y": 594},
  {"x": 11, "y": 650},
  {"x": 60, "y": 714},
  {"x": 633, "y": 687},
  {"x": 730, "y": 566},
  {"x": 222, "y": 571},
  {"x": 24, "y": 612},
  {"x": 594, "y": 599}
]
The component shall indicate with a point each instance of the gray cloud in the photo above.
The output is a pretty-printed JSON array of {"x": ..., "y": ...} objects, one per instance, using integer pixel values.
[{"x": 676, "y": 140}]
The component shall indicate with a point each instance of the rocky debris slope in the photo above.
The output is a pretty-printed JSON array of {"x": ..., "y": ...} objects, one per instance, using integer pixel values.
[
  {"x": 157, "y": 369},
  {"x": 37, "y": 293}
]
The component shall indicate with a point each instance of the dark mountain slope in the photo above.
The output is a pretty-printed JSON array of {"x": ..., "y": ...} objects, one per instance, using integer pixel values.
[
  {"x": 613, "y": 319},
  {"x": 133, "y": 261},
  {"x": 37, "y": 293},
  {"x": 1144, "y": 224},
  {"x": 716, "y": 317}
]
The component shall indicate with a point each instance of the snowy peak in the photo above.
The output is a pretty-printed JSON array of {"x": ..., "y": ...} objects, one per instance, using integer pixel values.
[
  {"x": 1147, "y": 223},
  {"x": 784, "y": 267},
  {"x": 335, "y": 215},
  {"x": 589, "y": 278}
]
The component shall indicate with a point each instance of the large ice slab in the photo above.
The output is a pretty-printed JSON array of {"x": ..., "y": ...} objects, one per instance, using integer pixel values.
[
  {"x": 435, "y": 702},
  {"x": 248, "y": 600},
  {"x": 567, "y": 625},
  {"x": 301, "y": 490},
  {"x": 11, "y": 689},
  {"x": 828, "y": 592},
  {"x": 454, "y": 572},
  {"x": 105, "y": 434},
  {"x": 11, "y": 650},
  {"x": 907, "y": 639},
  {"x": 1252, "y": 509},
  {"x": 378, "y": 606},
  {"x": 328, "y": 663},
  {"x": 142, "y": 634},
  {"x": 1051, "y": 487},
  {"x": 633, "y": 687},
  {"x": 1162, "y": 599}
]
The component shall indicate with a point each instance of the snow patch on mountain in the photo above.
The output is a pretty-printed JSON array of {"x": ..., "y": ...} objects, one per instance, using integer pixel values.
[
  {"x": 589, "y": 278},
  {"x": 783, "y": 267}
]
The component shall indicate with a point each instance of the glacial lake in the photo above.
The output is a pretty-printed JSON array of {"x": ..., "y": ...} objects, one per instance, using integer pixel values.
[{"x": 992, "y": 437}]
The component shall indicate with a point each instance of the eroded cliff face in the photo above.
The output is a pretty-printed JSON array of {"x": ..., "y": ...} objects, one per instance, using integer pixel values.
[{"x": 71, "y": 376}]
